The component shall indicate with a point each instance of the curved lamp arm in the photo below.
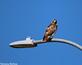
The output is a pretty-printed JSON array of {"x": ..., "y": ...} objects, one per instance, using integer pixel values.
[
  {"x": 60, "y": 40},
  {"x": 33, "y": 43}
]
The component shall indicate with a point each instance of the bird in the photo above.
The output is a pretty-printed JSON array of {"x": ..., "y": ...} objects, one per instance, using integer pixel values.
[{"x": 48, "y": 35}]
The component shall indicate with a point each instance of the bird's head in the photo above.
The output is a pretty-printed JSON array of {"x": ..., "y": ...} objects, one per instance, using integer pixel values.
[{"x": 54, "y": 21}]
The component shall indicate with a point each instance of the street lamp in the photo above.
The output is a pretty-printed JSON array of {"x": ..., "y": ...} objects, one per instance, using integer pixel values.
[
  {"x": 48, "y": 37},
  {"x": 29, "y": 43}
]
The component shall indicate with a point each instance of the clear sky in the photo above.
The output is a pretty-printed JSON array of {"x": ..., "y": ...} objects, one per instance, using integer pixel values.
[{"x": 22, "y": 18}]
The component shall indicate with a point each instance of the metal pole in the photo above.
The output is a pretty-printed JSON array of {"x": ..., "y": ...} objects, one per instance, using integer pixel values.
[{"x": 60, "y": 40}]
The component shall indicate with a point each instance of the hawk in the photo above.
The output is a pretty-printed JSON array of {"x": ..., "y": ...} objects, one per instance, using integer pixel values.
[{"x": 50, "y": 31}]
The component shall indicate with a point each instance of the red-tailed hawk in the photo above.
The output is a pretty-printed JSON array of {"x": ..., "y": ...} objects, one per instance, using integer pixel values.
[{"x": 50, "y": 30}]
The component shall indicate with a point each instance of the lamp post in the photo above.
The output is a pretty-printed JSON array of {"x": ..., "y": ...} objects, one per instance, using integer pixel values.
[{"x": 29, "y": 43}]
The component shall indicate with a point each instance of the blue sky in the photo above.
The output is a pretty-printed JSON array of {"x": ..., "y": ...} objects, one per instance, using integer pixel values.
[{"x": 22, "y": 18}]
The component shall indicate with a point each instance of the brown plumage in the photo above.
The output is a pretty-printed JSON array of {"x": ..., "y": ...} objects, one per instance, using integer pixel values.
[{"x": 50, "y": 30}]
